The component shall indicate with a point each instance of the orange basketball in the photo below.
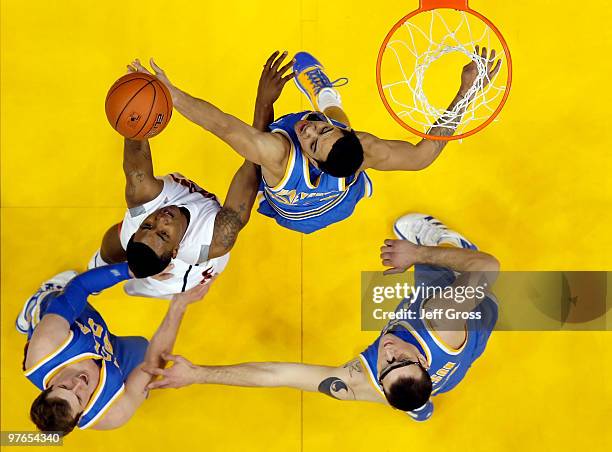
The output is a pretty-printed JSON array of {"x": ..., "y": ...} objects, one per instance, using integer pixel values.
[{"x": 138, "y": 106}]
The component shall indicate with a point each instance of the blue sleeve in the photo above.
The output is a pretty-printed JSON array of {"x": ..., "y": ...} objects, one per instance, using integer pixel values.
[{"x": 71, "y": 302}]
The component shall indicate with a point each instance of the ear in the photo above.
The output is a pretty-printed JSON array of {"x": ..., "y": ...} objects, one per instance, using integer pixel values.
[
  {"x": 175, "y": 252},
  {"x": 423, "y": 361}
]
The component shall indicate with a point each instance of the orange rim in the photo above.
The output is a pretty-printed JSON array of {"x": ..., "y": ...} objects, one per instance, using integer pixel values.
[{"x": 426, "y": 6}]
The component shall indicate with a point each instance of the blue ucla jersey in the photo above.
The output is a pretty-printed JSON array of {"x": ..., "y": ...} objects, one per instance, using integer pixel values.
[
  {"x": 89, "y": 338},
  {"x": 447, "y": 365},
  {"x": 307, "y": 199}
]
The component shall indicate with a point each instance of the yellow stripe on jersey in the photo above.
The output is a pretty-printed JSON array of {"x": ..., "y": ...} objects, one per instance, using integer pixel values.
[
  {"x": 75, "y": 359},
  {"x": 102, "y": 412},
  {"x": 290, "y": 164},
  {"x": 371, "y": 377},
  {"x": 98, "y": 390},
  {"x": 440, "y": 342},
  {"x": 310, "y": 213}
]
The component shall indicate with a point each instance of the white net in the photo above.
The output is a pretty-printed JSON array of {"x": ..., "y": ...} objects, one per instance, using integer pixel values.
[{"x": 411, "y": 54}]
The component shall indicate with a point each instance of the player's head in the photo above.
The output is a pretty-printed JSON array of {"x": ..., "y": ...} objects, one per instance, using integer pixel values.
[
  {"x": 156, "y": 241},
  {"x": 59, "y": 407},
  {"x": 403, "y": 373},
  {"x": 336, "y": 151}
]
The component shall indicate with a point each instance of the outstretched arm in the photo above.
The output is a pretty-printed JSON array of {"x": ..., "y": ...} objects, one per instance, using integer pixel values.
[
  {"x": 236, "y": 210},
  {"x": 162, "y": 342},
  {"x": 266, "y": 149},
  {"x": 141, "y": 185},
  {"x": 391, "y": 155},
  {"x": 241, "y": 195},
  {"x": 63, "y": 310},
  {"x": 347, "y": 382}
]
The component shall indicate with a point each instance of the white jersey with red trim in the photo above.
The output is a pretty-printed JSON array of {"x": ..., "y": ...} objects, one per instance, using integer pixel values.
[{"x": 191, "y": 265}]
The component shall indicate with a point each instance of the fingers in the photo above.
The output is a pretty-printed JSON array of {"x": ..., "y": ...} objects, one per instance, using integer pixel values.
[
  {"x": 386, "y": 256},
  {"x": 484, "y": 53},
  {"x": 278, "y": 61},
  {"x": 394, "y": 271},
  {"x": 270, "y": 59},
  {"x": 158, "y": 384},
  {"x": 163, "y": 276},
  {"x": 286, "y": 67},
  {"x": 154, "y": 371},
  {"x": 170, "y": 357},
  {"x": 495, "y": 70},
  {"x": 155, "y": 67},
  {"x": 139, "y": 67},
  {"x": 287, "y": 77}
]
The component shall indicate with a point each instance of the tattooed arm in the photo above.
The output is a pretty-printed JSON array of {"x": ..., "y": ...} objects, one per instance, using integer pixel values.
[
  {"x": 140, "y": 184},
  {"x": 347, "y": 382},
  {"x": 236, "y": 210},
  {"x": 391, "y": 155}
]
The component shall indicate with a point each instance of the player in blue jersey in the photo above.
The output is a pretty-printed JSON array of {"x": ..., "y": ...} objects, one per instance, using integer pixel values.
[
  {"x": 89, "y": 377},
  {"x": 313, "y": 163},
  {"x": 412, "y": 359}
]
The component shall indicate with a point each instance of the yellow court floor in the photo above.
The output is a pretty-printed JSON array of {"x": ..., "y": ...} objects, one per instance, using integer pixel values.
[{"x": 534, "y": 189}]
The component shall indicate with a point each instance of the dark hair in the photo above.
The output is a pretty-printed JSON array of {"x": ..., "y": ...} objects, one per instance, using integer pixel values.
[
  {"x": 53, "y": 414},
  {"x": 409, "y": 393},
  {"x": 345, "y": 156},
  {"x": 143, "y": 261}
]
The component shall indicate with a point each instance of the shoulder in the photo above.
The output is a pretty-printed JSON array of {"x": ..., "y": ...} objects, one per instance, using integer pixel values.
[
  {"x": 49, "y": 335},
  {"x": 140, "y": 190},
  {"x": 357, "y": 378}
]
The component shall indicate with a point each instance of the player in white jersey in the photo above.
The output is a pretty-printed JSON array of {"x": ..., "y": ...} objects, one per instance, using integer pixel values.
[{"x": 173, "y": 220}]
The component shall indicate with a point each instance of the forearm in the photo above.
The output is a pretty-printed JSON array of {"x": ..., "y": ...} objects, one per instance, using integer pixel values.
[
  {"x": 238, "y": 135},
  {"x": 164, "y": 338},
  {"x": 263, "y": 116},
  {"x": 71, "y": 302},
  {"x": 445, "y": 126},
  {"x": 136, "y": 157},
  {"x": 267, "y": 374}
]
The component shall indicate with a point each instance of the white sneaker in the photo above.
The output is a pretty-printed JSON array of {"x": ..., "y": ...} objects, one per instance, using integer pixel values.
[
  {"x": 58, "y": 282},
  {"x": 422, "y": 229}
]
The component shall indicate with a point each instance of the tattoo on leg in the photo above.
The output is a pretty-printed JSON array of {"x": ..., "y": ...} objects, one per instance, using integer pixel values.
[{"x": 336, "y": 388}]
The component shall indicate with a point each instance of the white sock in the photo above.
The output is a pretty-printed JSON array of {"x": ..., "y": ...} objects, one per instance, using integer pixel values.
[
  {"x": 96, "y": 261},
  {"x": 328, "y": 97}
]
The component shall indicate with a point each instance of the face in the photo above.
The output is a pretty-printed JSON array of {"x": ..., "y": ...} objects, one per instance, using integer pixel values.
[
  {"x": 75, "y": 385},
  {"x": 392, "y": 350},
  {"x": 317, "y": 137},
  {"x": 163, "y": 230}
]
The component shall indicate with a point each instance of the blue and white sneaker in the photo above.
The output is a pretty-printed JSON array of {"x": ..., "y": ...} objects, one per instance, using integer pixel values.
[
  {"x": 426, "y": 230},
  {"x": 422, "y": 414},
  {"x": 58, "y": 282},
  {"x": 310, "y": 78}
]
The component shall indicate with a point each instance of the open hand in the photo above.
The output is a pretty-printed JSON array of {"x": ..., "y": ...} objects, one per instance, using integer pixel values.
[
  {"x": 272, "y": 78},
  {"x": 400, "y": 255},
  {"x": 194, "y": 294},
  {"x": 136, "y": 66},
  {"x": 469, "y": 73},
  {"x": 181, "y": 373}
]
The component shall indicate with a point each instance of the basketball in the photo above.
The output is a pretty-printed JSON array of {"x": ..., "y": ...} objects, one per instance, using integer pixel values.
[{"x": 138, "y": 106}]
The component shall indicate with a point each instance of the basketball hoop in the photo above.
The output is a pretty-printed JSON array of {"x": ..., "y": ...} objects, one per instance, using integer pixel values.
[{"x": 447, "y": 30}]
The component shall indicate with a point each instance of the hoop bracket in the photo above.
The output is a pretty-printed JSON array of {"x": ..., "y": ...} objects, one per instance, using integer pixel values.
[{"x": 426, "y": 5}]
